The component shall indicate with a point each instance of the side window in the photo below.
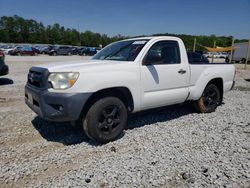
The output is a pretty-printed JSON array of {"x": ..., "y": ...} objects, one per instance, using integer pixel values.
[{"x": 163, "y": 52}]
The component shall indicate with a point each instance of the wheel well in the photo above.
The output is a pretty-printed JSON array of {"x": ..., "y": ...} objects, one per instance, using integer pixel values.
[
  {"x": 122, "y": 93},
  {"x": 219, "y": 83}
]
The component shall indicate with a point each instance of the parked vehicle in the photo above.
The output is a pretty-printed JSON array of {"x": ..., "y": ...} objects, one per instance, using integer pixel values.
[
  {"x": 194, "y": 57},
  {"x": 216, "y": 55},
  {"x": 240, "y": 53},
  {"x": 4, "y": 69},
  {"x": 5, "y": 49},
  {"x": 36, "y": 50},
  {"x": 79, "y": 51},
  {"x": 46, "y": 49},
  {"x": 88, "y": 51},
  {"x": 208, "y": 54},
  {"x": 74, "y": 50},
  {"x": 19, "y": 50},
  {"x": 223, "y": 55},
  {"x": 61, "y": 50},
  {"x": 125, "y": 77}
]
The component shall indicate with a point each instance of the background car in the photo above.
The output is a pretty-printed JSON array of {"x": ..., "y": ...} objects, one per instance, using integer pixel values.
[
  {"x": 194, "y": 57},
  {"x": 88, "y": 51},
  {"x": 61, "y": 50},
  {"x": 74, "y": 50},
  {"x": 20, "y": 50},
  {"x": 37, "y": 51},
  {"x": 6, "y": 49},
  {"x": 4, "y": 69},
  {"x": 223, "y": 55},
  {"x": 46, "y": 49}
]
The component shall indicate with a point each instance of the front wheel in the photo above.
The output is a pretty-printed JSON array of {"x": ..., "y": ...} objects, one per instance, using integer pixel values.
[
  {"x": 105, "y": 120},
  {"x": 209, "y": 100}
]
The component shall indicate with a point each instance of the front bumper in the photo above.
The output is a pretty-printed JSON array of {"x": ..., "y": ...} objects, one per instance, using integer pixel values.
[
  {"x": 4, "y": 70},
  {"x": 59, "y": 107}
]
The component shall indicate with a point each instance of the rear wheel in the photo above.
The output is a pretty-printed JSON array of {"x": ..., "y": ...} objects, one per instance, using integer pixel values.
[
  {"x": 209, "y": 100},
  {"x": 105, "y": 120},
  {"x": 54, "y": 53}
]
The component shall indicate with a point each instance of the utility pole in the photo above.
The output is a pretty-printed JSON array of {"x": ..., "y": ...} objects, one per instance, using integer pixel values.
[
  {"x": 248, "y": 48},
  {"x": 213, "y": 54},
  {"x": 194, "y": 45},
  {"x": 231, "y": 55}
]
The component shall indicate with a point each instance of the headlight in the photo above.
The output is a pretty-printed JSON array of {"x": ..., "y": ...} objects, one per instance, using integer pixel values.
[{"x": 63, "y": 80}]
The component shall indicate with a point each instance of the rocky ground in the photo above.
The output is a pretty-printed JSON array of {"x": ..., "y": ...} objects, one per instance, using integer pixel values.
[{"x": 167, "y": 147}]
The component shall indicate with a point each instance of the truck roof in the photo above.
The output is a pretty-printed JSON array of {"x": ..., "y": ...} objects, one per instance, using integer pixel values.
[{"x": 153, "y": 37}]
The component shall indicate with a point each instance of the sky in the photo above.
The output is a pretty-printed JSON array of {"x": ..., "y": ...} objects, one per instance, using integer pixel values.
[{"x": 139, "y": 17}]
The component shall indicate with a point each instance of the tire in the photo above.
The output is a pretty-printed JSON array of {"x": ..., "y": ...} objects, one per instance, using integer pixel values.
[
  {"x": 209, "y": 101},
  {"x": 54, "y": 53},
  {"x": 105, "y": 120},
  {"x": 227, "y": 59},
  {"x": 69, "y": 53}
]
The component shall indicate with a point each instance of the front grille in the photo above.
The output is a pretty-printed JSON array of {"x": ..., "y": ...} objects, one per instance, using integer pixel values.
[{"x": 37, "y": 77}]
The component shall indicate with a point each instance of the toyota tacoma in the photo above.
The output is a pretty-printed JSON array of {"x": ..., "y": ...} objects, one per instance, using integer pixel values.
[{"x": 125, "y": 77}]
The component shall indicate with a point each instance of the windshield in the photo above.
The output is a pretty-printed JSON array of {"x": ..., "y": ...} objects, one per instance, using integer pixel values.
[{"x": 121, "y": 51}]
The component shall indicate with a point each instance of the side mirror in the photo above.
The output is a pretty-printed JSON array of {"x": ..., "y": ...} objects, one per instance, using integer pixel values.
[{"x": 152, "y": 57}]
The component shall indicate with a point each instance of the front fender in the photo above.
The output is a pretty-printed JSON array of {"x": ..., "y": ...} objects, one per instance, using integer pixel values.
[{"x": 93, "y": 82}]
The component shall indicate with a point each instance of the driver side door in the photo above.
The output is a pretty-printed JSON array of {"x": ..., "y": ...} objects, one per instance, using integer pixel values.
[{"x": 164, "y": 76}]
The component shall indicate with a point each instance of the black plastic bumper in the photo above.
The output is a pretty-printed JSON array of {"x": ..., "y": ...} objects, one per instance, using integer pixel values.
[
  {"x": 57, "y": 107},
  {"x": 4, "y": 70}
]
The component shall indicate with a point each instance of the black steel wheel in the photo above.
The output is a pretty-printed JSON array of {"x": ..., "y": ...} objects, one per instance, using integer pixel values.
[
  {"x": 105, "y": 120},
  {"x": 209, "y": 100}
]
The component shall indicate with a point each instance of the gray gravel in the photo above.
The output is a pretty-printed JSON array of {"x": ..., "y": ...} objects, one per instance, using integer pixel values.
[{"x": 168, "y": 147}]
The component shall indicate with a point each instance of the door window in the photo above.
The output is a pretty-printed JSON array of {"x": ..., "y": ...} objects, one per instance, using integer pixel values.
[{"x": 163, "y": 52}]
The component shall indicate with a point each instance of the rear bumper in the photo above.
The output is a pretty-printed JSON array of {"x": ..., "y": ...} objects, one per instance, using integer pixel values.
[
  {"x": 57, "y": 107},
  {"x": 4, "y": 70}
]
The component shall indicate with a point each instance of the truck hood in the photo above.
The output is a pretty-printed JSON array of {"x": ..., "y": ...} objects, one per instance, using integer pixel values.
[{"x": 81, "y": 66}]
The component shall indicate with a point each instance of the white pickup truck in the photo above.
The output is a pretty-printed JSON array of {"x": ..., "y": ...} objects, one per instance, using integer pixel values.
[{"x": 125, "y": 77}]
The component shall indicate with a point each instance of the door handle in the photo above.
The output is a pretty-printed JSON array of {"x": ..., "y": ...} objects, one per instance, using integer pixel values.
[{"x": 181, "y": 71}]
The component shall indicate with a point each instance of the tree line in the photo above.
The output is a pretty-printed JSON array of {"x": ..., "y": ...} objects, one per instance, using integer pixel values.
[{"x": 15, "y": 29}]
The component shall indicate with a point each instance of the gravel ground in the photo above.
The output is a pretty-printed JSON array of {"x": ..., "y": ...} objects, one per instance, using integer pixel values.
[{"x": 167, "y": 147}]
